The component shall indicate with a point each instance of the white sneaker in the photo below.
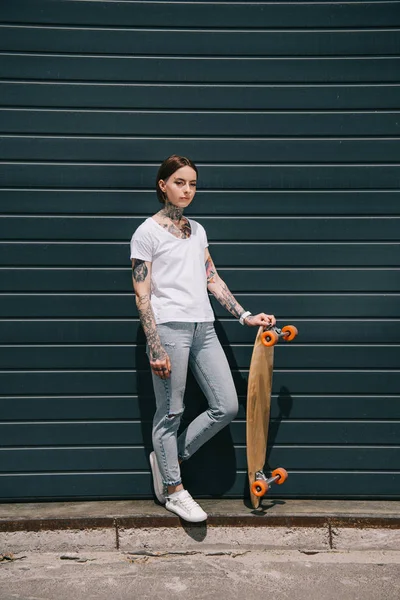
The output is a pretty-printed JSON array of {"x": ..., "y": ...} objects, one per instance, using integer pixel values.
[
  {"x": 182, "y": 504},
  {"x": 157, "y": 479}
]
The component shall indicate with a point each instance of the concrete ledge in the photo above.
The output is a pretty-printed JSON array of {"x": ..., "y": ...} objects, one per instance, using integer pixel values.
[
  {"x": 126, "y": 514},
  {"x": 136, "y": 525}
]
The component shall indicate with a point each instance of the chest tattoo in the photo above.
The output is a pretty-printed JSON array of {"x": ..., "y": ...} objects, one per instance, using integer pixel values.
[{"x": 183, "y": 232}]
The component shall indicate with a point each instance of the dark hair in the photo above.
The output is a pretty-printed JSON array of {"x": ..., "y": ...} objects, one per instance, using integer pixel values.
[{"x": 168, "y": 167}]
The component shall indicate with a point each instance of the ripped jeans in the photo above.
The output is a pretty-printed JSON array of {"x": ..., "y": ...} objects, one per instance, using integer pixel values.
[{"x": 195, "y": 345}]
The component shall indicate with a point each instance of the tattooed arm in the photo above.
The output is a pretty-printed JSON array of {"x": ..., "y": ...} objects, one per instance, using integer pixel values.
[
  {"x": 141, "y": 277},
  {"x": 220, "y": 290}
]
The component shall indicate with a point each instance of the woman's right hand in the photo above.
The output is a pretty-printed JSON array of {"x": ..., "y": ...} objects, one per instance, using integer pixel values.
[{"x": 160, "y": 364}]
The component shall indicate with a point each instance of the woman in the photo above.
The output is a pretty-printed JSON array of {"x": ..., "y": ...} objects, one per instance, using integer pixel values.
[{"x": 172, "y": 270}]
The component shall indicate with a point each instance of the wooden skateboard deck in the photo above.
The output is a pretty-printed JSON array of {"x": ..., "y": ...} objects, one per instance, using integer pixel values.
[{"x": 258, "y": 409}]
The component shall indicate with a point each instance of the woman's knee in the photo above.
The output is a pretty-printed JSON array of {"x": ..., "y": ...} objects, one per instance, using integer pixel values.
[
  {"x": 227, "y": 412},
  {"x": 232, "y": 410}
]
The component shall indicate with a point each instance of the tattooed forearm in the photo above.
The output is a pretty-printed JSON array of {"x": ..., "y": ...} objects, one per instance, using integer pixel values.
[
  {"x": 211, "y": 271},
  {"x": 142, "y": 301},
  {"x": 226, "y": 298},
  {"x": 147, "y": 320},
  {"x": 220, "y": 290},
  {"x": 140, "y": 273},
  {"x": 139, "y": 270}
]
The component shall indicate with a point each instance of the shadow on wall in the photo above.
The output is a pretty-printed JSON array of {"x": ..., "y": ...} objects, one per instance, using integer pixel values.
[
  {"x": 212, "y": 471},
  {"x": 146, "y": 405},
  {"x": 285, "y": 404}
]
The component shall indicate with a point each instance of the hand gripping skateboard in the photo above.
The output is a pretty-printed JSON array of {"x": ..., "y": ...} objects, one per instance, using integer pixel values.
[{"x": 258, "y": 410}]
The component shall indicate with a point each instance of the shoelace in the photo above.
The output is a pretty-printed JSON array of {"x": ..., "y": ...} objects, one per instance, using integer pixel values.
[{"x": 187, "y": 501}]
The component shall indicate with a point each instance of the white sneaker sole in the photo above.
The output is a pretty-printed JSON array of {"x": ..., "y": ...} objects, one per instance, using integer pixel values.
[{"x": 156, "y": 479}]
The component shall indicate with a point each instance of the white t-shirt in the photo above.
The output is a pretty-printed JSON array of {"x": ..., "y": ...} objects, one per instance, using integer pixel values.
[{"x": 178, "y": 277}]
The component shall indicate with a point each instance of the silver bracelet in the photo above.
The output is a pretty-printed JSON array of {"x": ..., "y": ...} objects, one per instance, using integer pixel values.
[{"x": 244, "y": 316}]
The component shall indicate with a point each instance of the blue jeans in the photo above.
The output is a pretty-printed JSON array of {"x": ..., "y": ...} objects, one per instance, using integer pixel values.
[{"x": 195, "y": 345}]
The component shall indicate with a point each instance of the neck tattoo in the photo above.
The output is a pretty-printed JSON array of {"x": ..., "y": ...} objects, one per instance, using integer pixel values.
[{"x": 172, "y": 212}]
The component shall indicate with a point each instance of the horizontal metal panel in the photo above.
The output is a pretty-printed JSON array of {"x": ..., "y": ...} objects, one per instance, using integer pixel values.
[
  {"x": 220, "y": 14},
  {"x": 191, "y": 96},
  {"x": 238, "y": 280},
  {"x": 70, "y": 408},
  {"x": 198, "y": 42},
  {"x": 306, "y": 280},
  {"x": 303, "y": 254},
  {"x": 87, "y": 486},
  {"x": 128, "y": 176},
  {"x": 263, "y": 228},
  {"x": 287, "y": 356},
  {"x": 224, "y": 254},
  {"x": 120, "y": 331},
  {"x": 299, "y": 485},
  {"x": 283, "y": 406},
  {"x": 207, "y": 203},
  {"x": 120, "y": 306},
  {"x": 191, "y": 123},
  {"x": 209, "y": 150},
  {"x": 285, "y": 432},
  {"x": 75, "y": 487},
  {"x": 131, "y": 382},
  {"x": 44, "y": 67},
  {"x": 319, "y": 305},
  {"x": 136, "y": 459}
]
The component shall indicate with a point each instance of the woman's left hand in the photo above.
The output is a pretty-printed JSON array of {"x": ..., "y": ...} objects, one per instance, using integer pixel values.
[{"x": 261, "y": 319}]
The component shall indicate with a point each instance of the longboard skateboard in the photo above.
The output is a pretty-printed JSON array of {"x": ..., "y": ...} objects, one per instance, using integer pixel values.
[{"x": 258, "y": 410}]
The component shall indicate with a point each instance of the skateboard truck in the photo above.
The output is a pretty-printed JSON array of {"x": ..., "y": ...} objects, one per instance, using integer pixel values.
[
  {"x": 261, "y": 485},
  {"x": 271, "y": 335}
]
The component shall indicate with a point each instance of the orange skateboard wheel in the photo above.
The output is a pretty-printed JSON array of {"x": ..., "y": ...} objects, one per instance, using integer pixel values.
[
  {"x": 269, "y": 338},
  {"x": 259, "y": 487},
  {"x": 283, "y": 475},
  {"x": 290, "y": 331}
]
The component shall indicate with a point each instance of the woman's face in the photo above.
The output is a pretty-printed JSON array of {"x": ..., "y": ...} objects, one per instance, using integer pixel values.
[{"x": 180, "y": 187}]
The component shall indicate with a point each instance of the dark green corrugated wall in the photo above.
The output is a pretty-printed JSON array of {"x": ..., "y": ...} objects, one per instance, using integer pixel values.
[{"x": 291, "y": 111}]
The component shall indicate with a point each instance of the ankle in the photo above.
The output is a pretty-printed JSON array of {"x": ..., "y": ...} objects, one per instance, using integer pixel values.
[{"x": 174, "y": 488}]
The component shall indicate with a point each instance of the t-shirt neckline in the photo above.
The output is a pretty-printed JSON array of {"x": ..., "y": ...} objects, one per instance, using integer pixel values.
[{"x": 171, "y": 234}]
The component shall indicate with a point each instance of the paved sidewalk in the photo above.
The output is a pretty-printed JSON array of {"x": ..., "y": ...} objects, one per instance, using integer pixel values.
[{"x": 241, "y": 573}]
